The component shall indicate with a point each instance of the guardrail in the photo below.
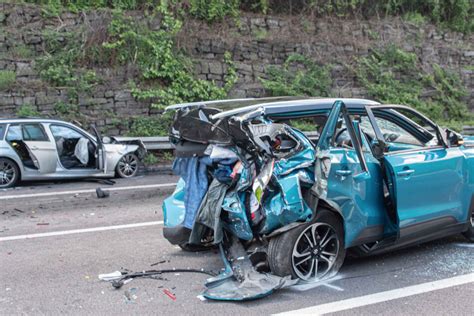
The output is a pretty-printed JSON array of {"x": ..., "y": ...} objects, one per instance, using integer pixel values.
[{"x": 162, "y": 143}]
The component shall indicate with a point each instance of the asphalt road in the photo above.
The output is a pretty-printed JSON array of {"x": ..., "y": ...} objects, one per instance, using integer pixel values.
[{"x": 53, "y": 246}]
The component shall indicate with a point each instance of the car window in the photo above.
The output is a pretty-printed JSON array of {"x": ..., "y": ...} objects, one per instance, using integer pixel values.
[
  {"x": 34, "y": 132},
  {"x": 392, "y": 132},
  {"x": 2, "y": 130},
  {"x": 14, "y": 133},
  {"x": 59, "y": 131}
]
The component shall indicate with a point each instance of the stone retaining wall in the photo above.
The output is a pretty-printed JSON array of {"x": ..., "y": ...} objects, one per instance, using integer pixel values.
[{"x": 255, "y": 43}]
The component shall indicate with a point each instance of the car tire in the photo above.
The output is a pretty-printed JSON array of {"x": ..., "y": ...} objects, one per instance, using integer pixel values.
[
  {"x": 9, "y": 173},
  {"x": 469, "y": 233},
  {"x": 128, "y": 165},
  {"x": 285, "y": 251}
]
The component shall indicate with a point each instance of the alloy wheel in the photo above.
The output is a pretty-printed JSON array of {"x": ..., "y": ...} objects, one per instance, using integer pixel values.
[
  {"x": 128, "y": 165},
  {"x": 315, "y": 252},
  {"x": 7, "y": 173}
]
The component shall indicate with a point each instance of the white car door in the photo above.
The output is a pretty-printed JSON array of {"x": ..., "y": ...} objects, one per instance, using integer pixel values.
[{"x": 41, "y": 149}]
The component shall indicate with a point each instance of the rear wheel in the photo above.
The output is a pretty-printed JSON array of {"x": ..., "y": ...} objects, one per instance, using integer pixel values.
[
  {"x": 469, "y": 234},
  {"x": 311, "y": 251},
  {"x": 9, "y": 173},
  {"x": 127, "y": 166}
]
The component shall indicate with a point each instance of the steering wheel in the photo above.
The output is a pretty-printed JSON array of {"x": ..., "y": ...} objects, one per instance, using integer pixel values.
[{"x": 342, "y": 142}]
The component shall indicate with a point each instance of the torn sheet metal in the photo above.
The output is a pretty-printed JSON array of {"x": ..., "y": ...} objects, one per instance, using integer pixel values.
[
  {"x": 209, "y": 213},
  {"x": 240, "y": 281}
]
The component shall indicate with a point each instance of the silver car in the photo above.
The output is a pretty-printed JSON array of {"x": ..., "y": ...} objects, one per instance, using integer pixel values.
[{"x": 39, "y": 149}]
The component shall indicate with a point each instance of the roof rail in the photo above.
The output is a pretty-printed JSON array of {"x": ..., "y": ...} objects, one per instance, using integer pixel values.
[{"x": 242, "y": 101}]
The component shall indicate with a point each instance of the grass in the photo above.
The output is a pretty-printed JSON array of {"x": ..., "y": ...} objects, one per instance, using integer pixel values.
[{"x": 7, "y": 79}]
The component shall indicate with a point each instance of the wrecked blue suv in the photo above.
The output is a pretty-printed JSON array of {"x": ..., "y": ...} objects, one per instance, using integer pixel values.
[{"x": 284, "y": 206}]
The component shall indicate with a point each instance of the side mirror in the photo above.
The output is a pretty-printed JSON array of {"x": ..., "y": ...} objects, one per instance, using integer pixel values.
[
  {"x": 454, "y": 138},
  {"x": 106, "y": 140}
]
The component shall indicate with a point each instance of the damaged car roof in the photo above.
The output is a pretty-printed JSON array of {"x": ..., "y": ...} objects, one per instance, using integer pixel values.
[{"x": 276, "y": 106}]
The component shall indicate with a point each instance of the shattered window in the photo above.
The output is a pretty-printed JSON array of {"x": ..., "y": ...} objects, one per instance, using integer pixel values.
[{"x": 392, "y": 132}]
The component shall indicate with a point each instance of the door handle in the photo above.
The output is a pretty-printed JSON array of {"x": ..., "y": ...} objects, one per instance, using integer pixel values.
[
  {"x": 405, "y": 173},
  {"x": 34, "y": 148},
  {"x": 343, "y": 172}
]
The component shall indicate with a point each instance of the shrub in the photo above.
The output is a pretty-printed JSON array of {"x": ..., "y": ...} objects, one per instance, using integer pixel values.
[
  {"x": 395, "y": 76},
  {"x": 7, "y": 79},
  {"x": 27, "y": 110},
  {"x": 298, "y": 76}
]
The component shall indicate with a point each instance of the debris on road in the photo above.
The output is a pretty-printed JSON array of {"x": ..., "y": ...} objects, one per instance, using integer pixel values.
[
  {"x": 169, "y": 294},
  {"x": 159, "y": 262},
  {"x": 42, "y": 224},
  {"x": 120, "y": 278},
  {"x": 110, "y": 276},
  {"x": 101, "y": 193},
  {"x": 130, "y": 295}
]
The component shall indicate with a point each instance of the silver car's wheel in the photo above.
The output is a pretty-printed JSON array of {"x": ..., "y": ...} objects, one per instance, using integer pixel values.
[
  {"x": 315, "y": 252},
  {"x": 9, "y": 173},
  {"x": 128, "y": 165}
]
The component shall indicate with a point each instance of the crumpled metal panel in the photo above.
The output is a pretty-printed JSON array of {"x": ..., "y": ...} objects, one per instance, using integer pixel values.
[
  {"x": 302, "y": 159},
  {"x": 234, "y": 204},
  {"x": 288, "y": 205},
  {"x": 239, "y": 281}
]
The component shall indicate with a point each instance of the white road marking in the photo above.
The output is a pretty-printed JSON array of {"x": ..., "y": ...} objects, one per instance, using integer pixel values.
[
  {"x": 466, "y": 245},
  {"x": 79, "y": 231},
  {"x": 383, "y": 296},
  {"x": 137, "y": 187}
]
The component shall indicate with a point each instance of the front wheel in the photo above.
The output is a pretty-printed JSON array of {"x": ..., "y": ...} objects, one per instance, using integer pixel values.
[
  {"x": 127, "y": 166},
  {"x": 311, "y": 251},
  {"x": 469, "y": 233},
  {"x": 9, "y": 173}
]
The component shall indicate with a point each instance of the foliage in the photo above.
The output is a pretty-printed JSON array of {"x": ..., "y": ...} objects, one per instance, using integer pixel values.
[
  {"x": 394, "y": 76},
  {"x": 21, "y": 51},
  {"x": 27, "y": 110},
  {"x": 55, "y": 6},
  {"x": 298, "y": 76},
  {"x": 214, "y": 10},
  {"x": 150, "y": 126},
  {"x": 457, "y": 15},
  {"x": 166, "y": 75},
  {"x": 59, "y": 66},
  {"x": 7, "y": 79},
  {"x": 150, "y": 159},
  {"x": 303, "y": 124}
]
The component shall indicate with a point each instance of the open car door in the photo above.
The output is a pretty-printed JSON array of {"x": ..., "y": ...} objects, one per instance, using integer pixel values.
[
  {"x": 100, "y": 154},
  {"x": 426, "y": 183},
  {"x": 34, "y": 147}
]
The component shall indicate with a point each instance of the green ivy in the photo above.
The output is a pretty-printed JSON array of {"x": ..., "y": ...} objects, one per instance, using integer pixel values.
[
  {"x": 150, "y": 126},
  {"x": 167, "y": 76},
  {"x": 394, "y": 76},
  {"x": 60, "y": 64},
  {"x": 298, "y": 76},
  {"x": 214, "y": 10},
  {"x": 27, "y": 110}
]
